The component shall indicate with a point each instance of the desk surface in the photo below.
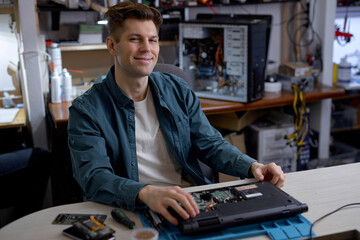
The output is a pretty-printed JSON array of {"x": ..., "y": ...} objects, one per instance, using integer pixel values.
[
  {"x": 19, "y": 121},
  {"x": 324, "y": 190},
  {"x": 60, "y": 114}
]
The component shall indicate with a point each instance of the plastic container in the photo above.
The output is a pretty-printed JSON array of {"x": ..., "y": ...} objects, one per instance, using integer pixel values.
[
  {"x": 56, "y": 60},
  {"x": 56, "y": 87},
  {"x": 344, "y": 71},
  {"x": 145, "y": 233},
  {"x": 66, "y": 86},
  {"x": 343, "y": 117},
  {"x": 340, "y": 153}
]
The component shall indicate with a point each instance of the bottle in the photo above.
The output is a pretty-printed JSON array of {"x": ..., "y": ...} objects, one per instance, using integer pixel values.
[
  {"x": 56, "y": 61},
  {"x": 344, "y": 71},
  {"x": 66, "y": 86},
  {"x": 56, "y": 87}
]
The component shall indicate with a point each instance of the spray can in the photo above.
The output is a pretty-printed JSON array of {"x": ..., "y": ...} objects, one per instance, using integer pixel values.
[
  {"x": 56, "y": 87},
  {"x": 66, "y": 86},
  {"x": 56, "y": 61},
  {"x": 344, "y": 71}
]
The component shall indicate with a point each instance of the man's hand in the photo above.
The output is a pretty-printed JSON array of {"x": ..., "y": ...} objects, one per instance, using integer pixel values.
[
  {"x": 270, "y": 172},
  {"x": 159, "y": 199}
]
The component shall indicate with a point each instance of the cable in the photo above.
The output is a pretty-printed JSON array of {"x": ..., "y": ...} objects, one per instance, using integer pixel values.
[
  {"x": 304, "y": 28},
  {"x": 328, "y": 214},
  {"x": 38, "y": 52},
  {"x": 301, "y": 121}
]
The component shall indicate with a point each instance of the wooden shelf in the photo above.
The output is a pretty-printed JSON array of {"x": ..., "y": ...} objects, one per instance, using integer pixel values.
[
  {"x": 347, "y": 96},
  {"x": 338, "y": 130},
  {"x": 210, "y": 106},
  {"x": 6, "y": 9},
  {"x": 83, "y": 47},
  {"x": 60, "y": 113},
  {"x": 101, "y": 46}
]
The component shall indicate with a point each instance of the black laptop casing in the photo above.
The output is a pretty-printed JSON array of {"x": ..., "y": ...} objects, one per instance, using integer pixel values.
[{"x": 269, "y": 203}]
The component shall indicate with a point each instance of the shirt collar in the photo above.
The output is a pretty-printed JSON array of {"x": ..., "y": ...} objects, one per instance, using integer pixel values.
[
  {"x": 121, "y": 98},
  {"x": 114, "y": 89}
]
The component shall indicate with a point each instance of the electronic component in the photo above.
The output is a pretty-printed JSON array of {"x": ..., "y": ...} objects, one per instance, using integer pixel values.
[
  {"x": 247, "y": 192},
  {"x": 220, "y": 196},
  {"x": 306, "y": 83},
  {"x": 68, "y": 218},
  {"x": 225, "y": 58},
  {"x": 207, "y": 200},
  {"x": 92, "y": 229}
]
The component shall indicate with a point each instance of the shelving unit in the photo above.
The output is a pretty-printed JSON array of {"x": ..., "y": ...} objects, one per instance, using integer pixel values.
[{"x": 6, "y": 9}]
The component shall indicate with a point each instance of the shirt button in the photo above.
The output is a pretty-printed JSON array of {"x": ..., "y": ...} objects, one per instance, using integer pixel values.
[
  {"x": 130, "y": 140},
  {"x": 131, "y": 117},
  {"x": 133, "y": 163}
]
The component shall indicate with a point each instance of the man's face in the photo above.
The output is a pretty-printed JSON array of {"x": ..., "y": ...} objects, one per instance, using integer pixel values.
[{"x": 138, "y": 48}]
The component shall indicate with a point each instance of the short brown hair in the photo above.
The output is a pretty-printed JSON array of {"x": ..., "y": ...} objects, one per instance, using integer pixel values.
[{"x": 118, "y": 13}]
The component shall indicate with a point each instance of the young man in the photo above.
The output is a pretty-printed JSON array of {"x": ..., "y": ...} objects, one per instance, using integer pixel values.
[{"x": 135, "y": 138}]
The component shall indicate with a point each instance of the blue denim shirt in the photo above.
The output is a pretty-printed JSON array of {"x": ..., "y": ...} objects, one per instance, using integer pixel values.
[{"x": 102, "y": 140}]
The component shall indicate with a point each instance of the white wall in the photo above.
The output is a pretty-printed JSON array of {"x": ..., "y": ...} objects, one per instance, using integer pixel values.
[{"x": 8, "y": 50}]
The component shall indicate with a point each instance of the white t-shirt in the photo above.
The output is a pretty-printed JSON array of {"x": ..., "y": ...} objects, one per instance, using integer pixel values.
[{"x": 155, "y": 163}]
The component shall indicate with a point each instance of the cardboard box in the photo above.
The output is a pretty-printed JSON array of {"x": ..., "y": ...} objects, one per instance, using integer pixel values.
[
  {"x": 235, "y": 121},
  {"x": 239, "y": 142},
  {"x": 295, "y": 69}
]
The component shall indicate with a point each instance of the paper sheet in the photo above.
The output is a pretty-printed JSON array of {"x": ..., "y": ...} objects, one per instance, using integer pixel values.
[{"x": 7, "y": 115}]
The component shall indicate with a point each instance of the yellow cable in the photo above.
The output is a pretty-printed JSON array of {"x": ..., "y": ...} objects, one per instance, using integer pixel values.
[{"x": 293, "y": 135}]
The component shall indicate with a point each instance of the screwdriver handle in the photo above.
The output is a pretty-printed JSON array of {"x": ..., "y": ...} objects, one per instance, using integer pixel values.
[{"x": 120, "y": 217}]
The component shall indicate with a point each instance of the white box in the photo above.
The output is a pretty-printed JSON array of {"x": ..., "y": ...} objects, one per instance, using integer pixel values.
[
  {"x": 287, "y": 161},
  {"x": 90, "y": 38},
  {"x": 272, "y": 140},
  {"x": 267, "y": 143}
]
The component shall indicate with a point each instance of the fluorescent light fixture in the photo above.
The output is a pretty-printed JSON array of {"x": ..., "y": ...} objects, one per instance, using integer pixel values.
[{"x": 102, "y": 22}]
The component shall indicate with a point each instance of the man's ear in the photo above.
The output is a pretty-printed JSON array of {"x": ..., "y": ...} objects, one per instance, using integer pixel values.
[{"x": 111, "y": 44}]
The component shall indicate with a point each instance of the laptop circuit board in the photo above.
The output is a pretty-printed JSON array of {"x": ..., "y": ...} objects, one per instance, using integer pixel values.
[{"x": 207, "y": 199}]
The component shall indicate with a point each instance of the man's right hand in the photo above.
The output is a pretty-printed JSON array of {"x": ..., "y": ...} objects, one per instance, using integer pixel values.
[{"x": 159, "y": 199}]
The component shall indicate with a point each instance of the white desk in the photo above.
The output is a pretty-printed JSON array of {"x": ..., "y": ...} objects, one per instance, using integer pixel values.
[{"x": 323, "y": 190}]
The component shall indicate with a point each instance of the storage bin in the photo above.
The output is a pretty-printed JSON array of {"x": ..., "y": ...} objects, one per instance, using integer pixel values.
[
  {"x": 340, "y": 153},
  {"x": 343, "y": 116}
]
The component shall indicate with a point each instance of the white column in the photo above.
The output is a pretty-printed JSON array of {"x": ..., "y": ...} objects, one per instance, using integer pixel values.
[
  {"x": 32, "y": 77},
  {"x": 324, "y": 19}
]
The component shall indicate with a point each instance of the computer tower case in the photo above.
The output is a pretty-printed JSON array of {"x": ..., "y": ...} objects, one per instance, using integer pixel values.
[{"x": 225, "y": 58}]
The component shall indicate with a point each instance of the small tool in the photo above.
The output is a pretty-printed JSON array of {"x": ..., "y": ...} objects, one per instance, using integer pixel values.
[
  {"x": 120, "y": 217},
  {"x": 156, "y": 222}
]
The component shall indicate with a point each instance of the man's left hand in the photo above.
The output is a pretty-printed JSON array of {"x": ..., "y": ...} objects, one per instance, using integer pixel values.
[{"x": 270, "y": 172}]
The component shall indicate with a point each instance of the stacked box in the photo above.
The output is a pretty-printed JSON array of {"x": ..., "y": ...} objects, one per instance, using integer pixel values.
[{"x": 267, "y": 143}]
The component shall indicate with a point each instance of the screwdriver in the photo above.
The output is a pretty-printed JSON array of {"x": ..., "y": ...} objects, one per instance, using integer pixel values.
[{"x": 120, "y": 217}]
